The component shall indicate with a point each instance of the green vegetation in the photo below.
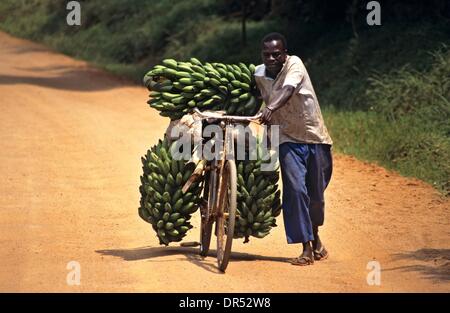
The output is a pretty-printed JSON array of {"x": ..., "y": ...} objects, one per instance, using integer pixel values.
[{"x": 384, "y": 90}]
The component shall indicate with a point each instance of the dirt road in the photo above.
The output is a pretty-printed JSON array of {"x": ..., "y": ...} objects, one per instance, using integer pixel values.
[{"x": 71, "y": 138}]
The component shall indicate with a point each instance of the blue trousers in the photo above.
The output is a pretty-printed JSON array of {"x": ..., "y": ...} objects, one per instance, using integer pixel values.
[{"x": 306, "y": 171}]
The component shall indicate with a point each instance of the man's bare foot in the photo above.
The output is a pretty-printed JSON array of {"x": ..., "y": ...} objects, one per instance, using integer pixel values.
[
  {"x": 306, "y": 258},
  {"x": 320, "y": 253}
]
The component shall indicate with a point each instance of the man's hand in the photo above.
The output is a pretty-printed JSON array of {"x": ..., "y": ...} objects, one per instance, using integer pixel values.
[
  {"x": 266, "y": 115},
  {"x": 278, "y": 99}
]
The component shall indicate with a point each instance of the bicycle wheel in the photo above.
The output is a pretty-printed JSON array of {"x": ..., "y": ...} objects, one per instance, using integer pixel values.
[
  {"x": 206, "y": 221},
  {"x": 226, "y": 214}
]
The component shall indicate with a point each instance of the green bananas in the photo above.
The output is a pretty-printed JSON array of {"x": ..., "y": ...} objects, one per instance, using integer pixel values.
[
  {"x": 162, "y": 202},
  {"x": 168, "y": 210},
  {"x": 178, "y": 87},
  {"x": 258, "y": 198}
]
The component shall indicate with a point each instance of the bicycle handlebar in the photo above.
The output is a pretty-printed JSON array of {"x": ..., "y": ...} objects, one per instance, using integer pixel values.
[{"x": 234, "y": 118}]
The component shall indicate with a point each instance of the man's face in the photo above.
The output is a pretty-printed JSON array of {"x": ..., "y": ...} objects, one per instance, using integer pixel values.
[{"x": 273, "y": 55}]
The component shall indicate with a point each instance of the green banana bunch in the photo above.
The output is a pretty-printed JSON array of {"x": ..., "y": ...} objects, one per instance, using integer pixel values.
[
  {"x": 178, "y": 87},
  {"x": 258, "y": 198},
  {"x": 162, "y": 202}
]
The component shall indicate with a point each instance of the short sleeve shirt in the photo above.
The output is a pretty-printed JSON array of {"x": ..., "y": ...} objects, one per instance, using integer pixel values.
[{"x": 300, "y": 119}]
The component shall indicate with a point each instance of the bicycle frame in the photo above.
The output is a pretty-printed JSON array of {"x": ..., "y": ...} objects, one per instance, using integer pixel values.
[{"x": 227, "y": 152}]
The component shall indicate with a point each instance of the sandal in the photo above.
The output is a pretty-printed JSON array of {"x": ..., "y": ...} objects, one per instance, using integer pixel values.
[
  {"x": 302, "y": 261},
  {"x": 321, "y": 254}
]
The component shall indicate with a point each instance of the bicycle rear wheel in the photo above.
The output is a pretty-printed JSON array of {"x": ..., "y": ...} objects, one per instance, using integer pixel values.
[
  {"x": 226, "y": 214},
  {"x": 206, "y": 221}
]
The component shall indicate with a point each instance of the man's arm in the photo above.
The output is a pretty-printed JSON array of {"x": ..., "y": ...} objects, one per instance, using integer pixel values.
[{"x": 278, "y": 100}]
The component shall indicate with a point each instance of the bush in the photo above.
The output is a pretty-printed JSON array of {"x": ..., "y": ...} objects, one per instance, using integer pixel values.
[{"x": 422, "y": 94}]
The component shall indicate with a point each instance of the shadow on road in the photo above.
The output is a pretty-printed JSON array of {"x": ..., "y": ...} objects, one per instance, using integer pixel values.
[
  {"x": 65, "y": 77},
  {"x": 191, "y": 254},
  {"x": 435, "y": 263},
  {"x": 27, "y": 48}
]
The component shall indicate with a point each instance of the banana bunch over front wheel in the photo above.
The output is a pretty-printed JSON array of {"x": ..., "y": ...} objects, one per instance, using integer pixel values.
[{"x": 258, "y": 198}]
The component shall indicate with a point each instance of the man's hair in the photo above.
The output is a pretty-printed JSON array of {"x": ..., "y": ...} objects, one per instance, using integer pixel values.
[{"x": 274, "y": 36}]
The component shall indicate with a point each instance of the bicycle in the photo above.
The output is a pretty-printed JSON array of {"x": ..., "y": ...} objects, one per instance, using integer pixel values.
[{"x": 220, "y": 191}]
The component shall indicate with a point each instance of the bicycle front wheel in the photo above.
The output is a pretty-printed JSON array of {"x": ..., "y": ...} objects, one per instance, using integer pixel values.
[{"x": 226, "y": 214}]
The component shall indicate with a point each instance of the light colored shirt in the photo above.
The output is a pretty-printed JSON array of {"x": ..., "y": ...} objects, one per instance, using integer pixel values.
[{"x": 300, "y": 119}]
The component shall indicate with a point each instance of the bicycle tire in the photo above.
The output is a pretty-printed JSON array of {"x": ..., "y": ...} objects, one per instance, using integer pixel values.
[
  {"x": 227, "y": 205},
  {"x": 206, "y": 222}
]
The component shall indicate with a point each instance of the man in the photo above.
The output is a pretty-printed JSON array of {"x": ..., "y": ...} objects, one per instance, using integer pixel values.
[{"x": 305, "y": 146}]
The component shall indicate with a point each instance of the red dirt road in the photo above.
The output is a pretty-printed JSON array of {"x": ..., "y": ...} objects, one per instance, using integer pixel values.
[{"x": 71, "y": 138}]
